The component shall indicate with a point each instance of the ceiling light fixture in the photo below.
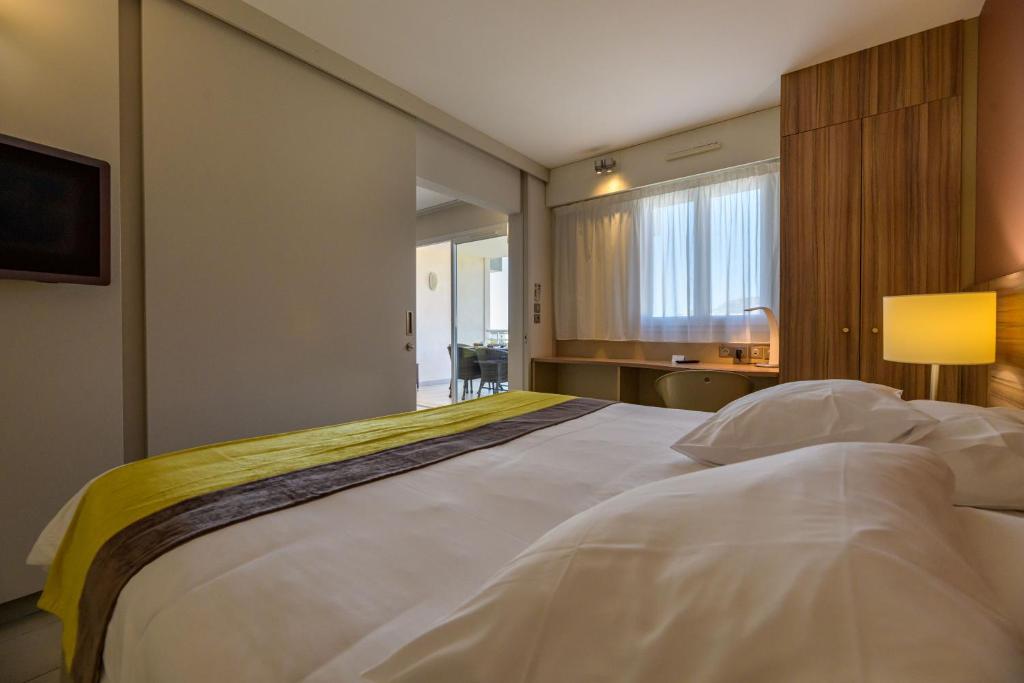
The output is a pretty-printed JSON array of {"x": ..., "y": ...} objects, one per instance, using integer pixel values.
[{"x": 606, "y": 165}]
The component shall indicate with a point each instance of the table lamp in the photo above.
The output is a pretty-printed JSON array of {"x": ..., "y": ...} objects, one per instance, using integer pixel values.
[
  {"x": 939, "y": 329},
  {"x": 773, "y": 336}
]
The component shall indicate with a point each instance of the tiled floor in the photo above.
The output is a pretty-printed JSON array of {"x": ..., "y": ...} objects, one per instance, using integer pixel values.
[
  {"x": 433, "y": 395},
  {"x": 29, "y": 643}
]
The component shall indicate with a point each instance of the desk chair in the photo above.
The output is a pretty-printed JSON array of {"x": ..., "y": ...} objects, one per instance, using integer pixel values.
[{"x": 704, "y": 390}]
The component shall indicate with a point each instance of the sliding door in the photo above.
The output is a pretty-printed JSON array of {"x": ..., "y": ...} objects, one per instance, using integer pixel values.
[{"x": 280, "y": 238}]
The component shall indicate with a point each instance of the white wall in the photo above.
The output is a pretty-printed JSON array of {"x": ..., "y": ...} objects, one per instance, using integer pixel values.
[
  {"x": 540, "y": 258},
  {"x": 280, "y": 235},
  {"x": 753, "y": 137},
  {"x": 471, "y": 284},
  {"x": 60, "y": 351},
  {"x": 434, "y": 312},
  {"x": 497, "y": 298}
]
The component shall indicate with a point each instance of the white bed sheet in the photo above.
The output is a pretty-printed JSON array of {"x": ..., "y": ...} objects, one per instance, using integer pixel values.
[{"x": 323, "y": 591}]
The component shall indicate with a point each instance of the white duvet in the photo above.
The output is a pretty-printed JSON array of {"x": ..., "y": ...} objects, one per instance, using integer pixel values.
[
  {"x": 326, "y": 590},
  {"x": 840, "y": 562}
]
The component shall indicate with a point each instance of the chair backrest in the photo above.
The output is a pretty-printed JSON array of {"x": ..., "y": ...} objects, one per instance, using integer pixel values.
[
  {"x": 493, "y": 363},
  {"x": 468, "y": 367},
  {"x": 705, "y": 390}
]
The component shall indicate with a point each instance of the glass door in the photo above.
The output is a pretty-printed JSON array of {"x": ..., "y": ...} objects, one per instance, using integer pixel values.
[{"x": 480, "y": 317}]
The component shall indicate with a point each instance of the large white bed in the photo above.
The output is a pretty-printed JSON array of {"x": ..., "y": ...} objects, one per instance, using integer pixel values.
[
  {"x": 323, "y": 591},
  {"x": 326, "y": 590}
]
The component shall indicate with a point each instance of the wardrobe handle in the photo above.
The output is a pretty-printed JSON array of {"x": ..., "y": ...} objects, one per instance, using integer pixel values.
[
  {"x": 874, "y": 330},
  {"x": 846, "y": 330}
]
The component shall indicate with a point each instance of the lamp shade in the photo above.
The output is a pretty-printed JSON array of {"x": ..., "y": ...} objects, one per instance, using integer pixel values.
[{"x": 940, "y": 329}]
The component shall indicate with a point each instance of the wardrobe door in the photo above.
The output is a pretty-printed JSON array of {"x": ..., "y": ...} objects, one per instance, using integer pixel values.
[
  {"x": 911, "y": 209},
  {"x": 800, "y": 100},
  {"x": 910, "y": 71},
  {"x": 820, "y": 253}
]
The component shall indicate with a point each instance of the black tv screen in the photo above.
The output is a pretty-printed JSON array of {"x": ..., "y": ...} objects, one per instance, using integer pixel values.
[{"x": 54, "y": 214}]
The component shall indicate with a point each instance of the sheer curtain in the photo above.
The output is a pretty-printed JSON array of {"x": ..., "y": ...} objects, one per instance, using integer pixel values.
[{"x": 677, "y": 261}]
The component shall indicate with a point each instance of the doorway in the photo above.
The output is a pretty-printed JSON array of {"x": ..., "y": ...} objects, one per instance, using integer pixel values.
[{"x": 462, "y": 294}]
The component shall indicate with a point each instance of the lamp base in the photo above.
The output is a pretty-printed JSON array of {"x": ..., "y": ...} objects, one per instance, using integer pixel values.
[
  {"x": 766, "y": 365},
  {"x": 933, "y": 389}
]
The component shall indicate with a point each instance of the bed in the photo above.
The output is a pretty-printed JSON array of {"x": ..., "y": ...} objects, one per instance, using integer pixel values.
[
  {"x": 324, "y": 590},
  {"x": 336, "y": 586},
  {"x": 425, "y": 540}
]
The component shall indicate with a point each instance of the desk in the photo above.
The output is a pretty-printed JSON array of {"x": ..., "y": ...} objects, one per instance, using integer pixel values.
[{"x": 630, "y": 380}]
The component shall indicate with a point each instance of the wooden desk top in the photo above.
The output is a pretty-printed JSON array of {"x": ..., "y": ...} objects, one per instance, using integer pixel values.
[{"x": 740, "y": 368}]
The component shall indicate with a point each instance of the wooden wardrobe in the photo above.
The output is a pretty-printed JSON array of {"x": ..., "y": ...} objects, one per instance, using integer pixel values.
[{"x": 870, "y": 203}]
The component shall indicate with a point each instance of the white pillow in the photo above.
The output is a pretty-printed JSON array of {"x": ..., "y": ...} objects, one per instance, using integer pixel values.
[
  {"x": 834, "y": 563},
  {"x": 798, "y": 414},
  {"x": 985, "y": 449}
]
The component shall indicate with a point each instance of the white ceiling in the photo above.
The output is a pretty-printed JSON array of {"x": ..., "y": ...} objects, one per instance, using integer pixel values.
[
  {"x": 426, "y": 199},
  {"x": 561, "y": 80}
]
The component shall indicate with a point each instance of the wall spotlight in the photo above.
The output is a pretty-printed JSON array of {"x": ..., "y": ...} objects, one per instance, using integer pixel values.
[{"x": 606, "y": 165}]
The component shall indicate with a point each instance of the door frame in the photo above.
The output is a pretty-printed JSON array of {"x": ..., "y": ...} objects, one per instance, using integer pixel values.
[{"x": 514, "y": 336}]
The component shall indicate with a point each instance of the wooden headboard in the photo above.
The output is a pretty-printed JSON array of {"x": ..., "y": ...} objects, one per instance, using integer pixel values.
[{"x": 1001, "y": 384}]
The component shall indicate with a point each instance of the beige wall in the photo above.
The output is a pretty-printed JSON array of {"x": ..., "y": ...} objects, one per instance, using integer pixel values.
[
  {"x": 540, "y": 263},
  {"x": 450, "y": 166},
  {"x": 753, "y": 137},
  {"x": 280, "y": 238},
  {"x": 999, "y": 232},
  {"x": 273, "y": 194},
  {"x": 60, "y": 373}
]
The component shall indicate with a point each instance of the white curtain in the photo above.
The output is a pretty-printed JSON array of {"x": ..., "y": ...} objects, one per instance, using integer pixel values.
[{"x": 677, "y": 261}]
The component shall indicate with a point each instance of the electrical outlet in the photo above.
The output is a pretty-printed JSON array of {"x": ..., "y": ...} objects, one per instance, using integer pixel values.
[
  {"x": 757, "y": 352},
  {"x": 724, "y": 351}
]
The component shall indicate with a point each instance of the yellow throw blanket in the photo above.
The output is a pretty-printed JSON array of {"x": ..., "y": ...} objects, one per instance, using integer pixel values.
[{"x": 127, "y": 494}]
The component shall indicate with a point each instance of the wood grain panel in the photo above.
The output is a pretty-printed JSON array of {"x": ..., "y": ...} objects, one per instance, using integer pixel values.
[
  {"x": 896, "y": 74},
  {"x": 974, "y": 378},
  {"x": 943, "y": 61},
  {"x": 903, "y": 73},
  {"x": 1001, "y": 384},
  {"x": 820, "y": 256},
  {"x": 800, "y": 100},
  {"x": 913, "y": 70},
  {"x": 1006, "y": 376},
  {"x": 841, "y": 93},
  {"x": 1006, "y": 386},
  {"x": 911, "y": 212}
]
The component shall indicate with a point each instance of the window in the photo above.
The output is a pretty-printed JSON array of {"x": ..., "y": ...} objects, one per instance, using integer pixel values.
[{"x": 676, "y": 262}]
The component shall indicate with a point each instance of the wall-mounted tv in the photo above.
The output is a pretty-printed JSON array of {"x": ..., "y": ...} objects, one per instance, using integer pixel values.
[{"x": 54, "y": 214}]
